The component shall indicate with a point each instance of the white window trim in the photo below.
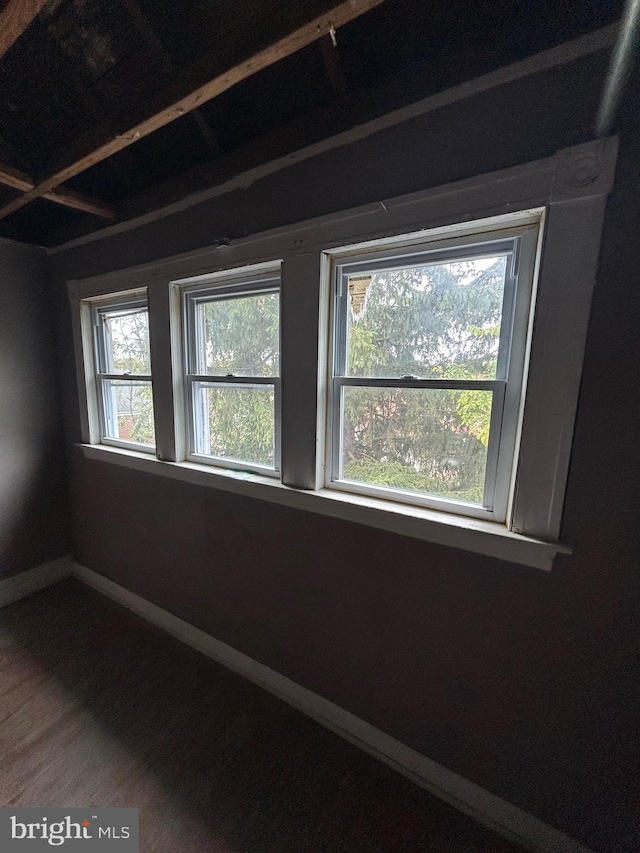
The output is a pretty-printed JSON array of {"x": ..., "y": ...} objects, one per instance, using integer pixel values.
[{"x": 570, "y": 188}]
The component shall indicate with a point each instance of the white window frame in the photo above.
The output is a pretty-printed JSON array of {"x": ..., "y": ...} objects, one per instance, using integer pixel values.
[
  {"x": 250, "y": 282},
  {"x": 564, "y": 196},
  {"x": 99, "y": 356},
  {"x": 521, "y": 245}
]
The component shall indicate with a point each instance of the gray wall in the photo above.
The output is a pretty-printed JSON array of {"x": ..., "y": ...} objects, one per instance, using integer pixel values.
[
  {"x": 33, "y": 495},
  {"x": 524, "y": 682}
]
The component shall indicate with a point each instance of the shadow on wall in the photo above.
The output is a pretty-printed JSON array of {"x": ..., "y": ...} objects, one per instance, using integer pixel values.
[
  {"x": 33, "y": 508},
  {"x": 33, "y": 501}
]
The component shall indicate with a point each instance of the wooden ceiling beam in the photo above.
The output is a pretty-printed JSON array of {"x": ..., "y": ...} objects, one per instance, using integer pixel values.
[
  {"x": 14, "y": 20},
  {"x": 290, "y": 44},
  {"x": 79, "y": 201},
  {"x": 19, "y": 180}
]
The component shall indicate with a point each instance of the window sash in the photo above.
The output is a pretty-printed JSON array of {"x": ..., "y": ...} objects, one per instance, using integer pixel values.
[
  {"x": 200, "y": 294},
  {"x": 100, "y": 338},
  {"x": 192, "y": 384},
  {"x": 336, "y": 480},
  {"x": 109, "y": 415},
  {"x": 106, "y": 414},
  {"x": 381, "y": 260}
]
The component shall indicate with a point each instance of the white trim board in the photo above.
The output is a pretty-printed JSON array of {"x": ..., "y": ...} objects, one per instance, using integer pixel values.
[
  {"x": 19, "y": 586},
  {"x": 486, "y": 808},
  {"x": 600, "y": 39}
]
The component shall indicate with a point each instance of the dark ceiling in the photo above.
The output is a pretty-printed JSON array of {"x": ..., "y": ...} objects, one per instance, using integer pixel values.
[{"x": 85, "y": 70}]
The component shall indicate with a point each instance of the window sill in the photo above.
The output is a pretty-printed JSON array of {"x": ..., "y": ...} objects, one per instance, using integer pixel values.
[{"x": 468, "y": 534}]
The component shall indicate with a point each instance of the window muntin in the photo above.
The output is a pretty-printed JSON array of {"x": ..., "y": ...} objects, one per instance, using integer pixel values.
[
  {"x": 232, "y": 354},
  {"x": 123, "y": 374},
  {"x": 428, "y": 360}
]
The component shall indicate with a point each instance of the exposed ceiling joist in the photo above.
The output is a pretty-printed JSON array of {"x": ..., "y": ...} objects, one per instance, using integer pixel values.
[
  {"x": 14, "y": 20},
  {"x": 284, "y": 47},
  {"x": 79, "y": 201},
  {"x": 18, "y": 180}
]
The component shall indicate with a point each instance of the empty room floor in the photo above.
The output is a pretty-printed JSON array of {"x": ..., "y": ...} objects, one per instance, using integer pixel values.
[{"x": 99, "y": 708}]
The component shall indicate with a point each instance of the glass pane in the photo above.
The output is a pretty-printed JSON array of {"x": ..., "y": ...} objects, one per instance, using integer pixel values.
[
  {"x": 128, "y": 408},
  {"x": 235, "y": 422},
  {"x": 240, "y": 335},
  {"x": 435, "y": 320},
  {"x": 430, "y": 441},
  {"x": 126, "y": 339}
]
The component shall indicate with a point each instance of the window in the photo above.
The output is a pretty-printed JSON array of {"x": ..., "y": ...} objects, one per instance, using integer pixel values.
[
  {"x": 232, "y": 354},
  {"x": 428, "y": 365},
  {"x": 123, "y": 373},
  {"x": 413, "y": 365}
]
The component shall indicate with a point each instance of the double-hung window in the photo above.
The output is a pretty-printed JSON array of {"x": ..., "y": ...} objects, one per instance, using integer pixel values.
[
  {"x": 428, "y": 354},
  {"x": 123, "y": 373},
  {"x": 232, "y": 357}
]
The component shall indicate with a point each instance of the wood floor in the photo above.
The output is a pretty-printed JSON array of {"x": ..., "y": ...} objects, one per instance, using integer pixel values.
[{"x": 99, "y": 708}]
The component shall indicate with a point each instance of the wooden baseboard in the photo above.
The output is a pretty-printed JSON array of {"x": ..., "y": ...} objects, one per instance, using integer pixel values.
[
  {"x": 19, "y": 586},
  {"x": 488, "y": 809}
]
